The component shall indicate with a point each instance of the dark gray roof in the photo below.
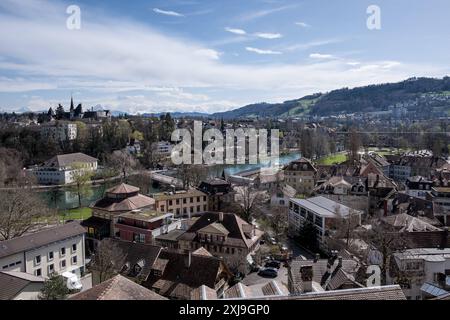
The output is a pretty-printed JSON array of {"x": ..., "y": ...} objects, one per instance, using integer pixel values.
[
  {"x": 40, "y": 238},
  {"x": 171, "y": 236},
  {"x": 64, "y": 160},
  {"x": 11, "y": 284},
  {"x": 135, "y": 254}
]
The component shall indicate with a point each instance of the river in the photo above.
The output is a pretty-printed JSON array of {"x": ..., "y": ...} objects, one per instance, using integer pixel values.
[{"x": 67, "y": 198}]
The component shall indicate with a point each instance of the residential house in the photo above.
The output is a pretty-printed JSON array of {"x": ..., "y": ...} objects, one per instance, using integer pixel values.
[
  {"x": 60, "y": 131},
  {"x": 175, "y": 275},
  {"x": 423, "y": 273},
  {"x": 15, "y": 285},
  {"x": 301, "y": 175},
  {"x": 280, "y": 196},
  {"x": 219, "y": 193},
  {"x": 162, "y": 148},
  {"x": 320, "y": 275},
  {"x": 440, "y": 196},
  {"x": 54, "y": 250},
  {"x": 418, "y": 186},
  {"x": 224, "y": 235}
]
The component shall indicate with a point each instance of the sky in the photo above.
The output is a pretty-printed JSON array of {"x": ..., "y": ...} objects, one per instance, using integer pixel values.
[{"x": 209, "y": 55}]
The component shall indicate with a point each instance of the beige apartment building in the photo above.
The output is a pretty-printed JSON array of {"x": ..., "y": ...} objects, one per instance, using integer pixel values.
[
  {"x": 301, "y": 175},
  {"x": 182, "y": 203}
]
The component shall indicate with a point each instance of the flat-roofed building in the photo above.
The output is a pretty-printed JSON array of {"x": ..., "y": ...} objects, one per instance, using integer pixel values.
[
  {"x": 143, "y": 226},
  {"x": 319, "y": 211},
  {"x": 423, "y": 273}
]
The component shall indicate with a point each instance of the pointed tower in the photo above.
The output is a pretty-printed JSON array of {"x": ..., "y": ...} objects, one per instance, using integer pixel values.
[{"x": 71, "y": 104}]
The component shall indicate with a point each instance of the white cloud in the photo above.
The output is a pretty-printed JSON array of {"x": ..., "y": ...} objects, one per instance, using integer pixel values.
[
  {"x": 263, "y": 13},
  {"x": 262, "y": 51},
  {"x": 268, "y": 35},
  {"x": 168, "y": 13},
  {"x": 236, "y": 31},
  {"x": 209, "y": 53},
  {"x": 108, "y": 61},
  {"x": 302, "y": 24},
  {"x": 321, "y": 56},
  {"x": 312, "y": 44}
]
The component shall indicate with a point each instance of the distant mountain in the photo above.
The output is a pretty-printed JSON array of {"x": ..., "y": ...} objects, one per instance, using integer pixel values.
[
  {"x": 371, "y": 98},
  {"x": 16, "y": 110},
  {"x": 178, "y": 114}
]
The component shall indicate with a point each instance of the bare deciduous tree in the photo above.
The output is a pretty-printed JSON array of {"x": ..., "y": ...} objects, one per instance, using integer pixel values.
[
  {"x": 81, "y": 177},
  {"x": 191, "y": 175},
  {"x": 387, "y": 241},
  {"x": 108, "y": 260},
  {"x": 21, "y": 211},
  {"x": 344, "y": 226},
  {"x": 122, "y": 162},
  {"x": 249, "y": 199}
]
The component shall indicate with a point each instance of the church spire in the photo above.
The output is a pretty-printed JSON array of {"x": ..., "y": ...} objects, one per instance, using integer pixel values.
[{"x": 71, "y": 103}]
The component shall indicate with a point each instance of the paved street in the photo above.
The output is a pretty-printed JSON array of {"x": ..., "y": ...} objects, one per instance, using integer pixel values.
[
  {"x": 297, "y": 250},
  {"x": 255, "y": 279}
]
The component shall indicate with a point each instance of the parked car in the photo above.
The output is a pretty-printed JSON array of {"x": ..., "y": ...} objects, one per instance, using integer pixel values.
[
  {"x": 268, "y": 272},
  {"x": 254, "y": 267},
  {"x": 273, "y": 264}
]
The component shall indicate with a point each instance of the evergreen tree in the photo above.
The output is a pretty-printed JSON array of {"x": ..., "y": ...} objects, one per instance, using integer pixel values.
[{"x": 54, "y": 288}]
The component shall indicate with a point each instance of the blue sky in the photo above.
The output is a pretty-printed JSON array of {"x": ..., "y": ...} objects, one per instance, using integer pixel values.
[{"x": 208, "y": 56}]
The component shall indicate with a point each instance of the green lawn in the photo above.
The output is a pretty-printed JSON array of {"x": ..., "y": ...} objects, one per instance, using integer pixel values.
[
  {"x": 75, "y": 214},
  {"x": 333, "y": 159}
]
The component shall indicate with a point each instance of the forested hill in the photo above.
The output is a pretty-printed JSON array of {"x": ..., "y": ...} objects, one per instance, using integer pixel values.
[{"x": 362, "y": 99}]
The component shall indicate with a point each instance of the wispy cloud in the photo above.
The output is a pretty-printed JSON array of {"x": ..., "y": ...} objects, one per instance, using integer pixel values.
[
  {"x": 312, "y": 44},
  {"x": 125, "y": 65},
  {"x": 321, "y": 56},
  {"x": 168, "y": 13},
  {"x": 302, "y": 24},
  {"x": 263, "y": 13},
  {"x": 268, "y": 35},
  {"x": 262, "y": 51},
  {"x": 236, "y": 31}
]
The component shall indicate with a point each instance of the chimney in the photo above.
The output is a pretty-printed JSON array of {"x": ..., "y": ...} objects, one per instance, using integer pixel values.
[
  {"x": 317, "y": 257},
  {"x": 339, "y": 262},
  {"x": 221, "y": 216},
  {"x": 306, "y": 273},
  {"x": 444, "y": 238},
  {"x": 188, "y": 260}
]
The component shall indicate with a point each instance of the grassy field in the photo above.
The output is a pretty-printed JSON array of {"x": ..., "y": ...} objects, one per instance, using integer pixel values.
[
  {"x": 75, "y": 214},
  {"x": 333, "y": 159}
]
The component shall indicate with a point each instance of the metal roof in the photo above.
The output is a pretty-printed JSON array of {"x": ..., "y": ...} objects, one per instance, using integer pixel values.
[
  {"x": 325, "y": 207},
  {"x": 433, "y": 290}
]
